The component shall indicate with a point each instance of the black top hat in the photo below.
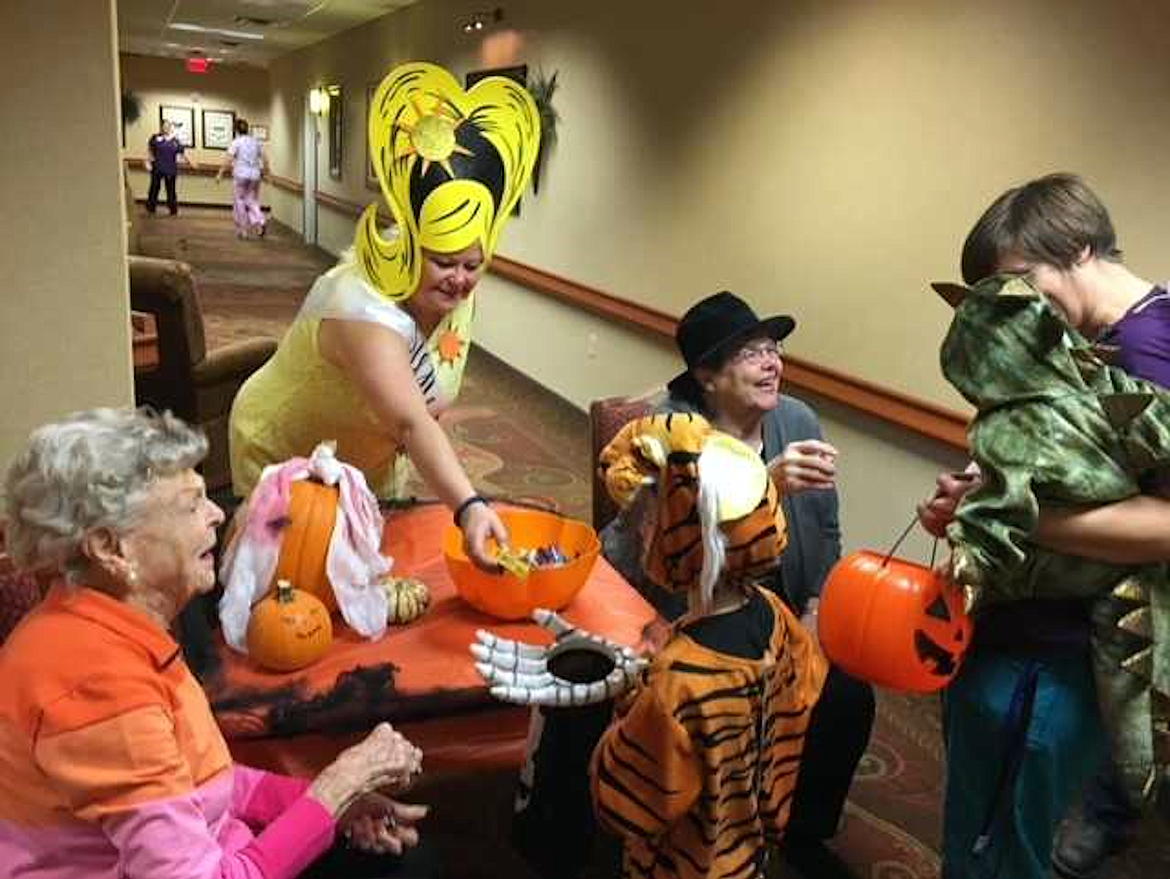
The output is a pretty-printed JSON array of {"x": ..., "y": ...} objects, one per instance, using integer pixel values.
[{"x": 713, "y": 327}]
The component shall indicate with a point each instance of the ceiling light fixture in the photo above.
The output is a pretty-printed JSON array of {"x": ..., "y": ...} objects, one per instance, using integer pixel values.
[
  {"x": 200, "y": 29},
  {"x": 479, "y": 21}
]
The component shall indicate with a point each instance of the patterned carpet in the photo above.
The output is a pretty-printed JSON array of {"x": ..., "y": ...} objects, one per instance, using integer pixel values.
[{"x": 519, "y": 441}]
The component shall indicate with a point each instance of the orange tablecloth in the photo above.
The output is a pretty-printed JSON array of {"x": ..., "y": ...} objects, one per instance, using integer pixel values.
[{"x": 420, "y": 676}]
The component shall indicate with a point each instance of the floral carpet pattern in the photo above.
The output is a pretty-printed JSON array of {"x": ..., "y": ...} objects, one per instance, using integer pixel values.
[{"x": 519, "y": 441}]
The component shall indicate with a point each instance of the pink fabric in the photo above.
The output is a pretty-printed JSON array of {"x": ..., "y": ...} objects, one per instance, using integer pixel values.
[
  {"x": 355, "y": 555},
  {"x": 355, "y": 561},
  {"x": 246, "y": 210},
  {"x": 198, "y": 836},
  {"x": 259, "y": 797},
  {"x": 250, "y": 559}
]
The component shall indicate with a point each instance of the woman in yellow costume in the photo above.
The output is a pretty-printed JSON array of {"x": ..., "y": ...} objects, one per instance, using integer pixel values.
[{"x": 379, "y": 346}]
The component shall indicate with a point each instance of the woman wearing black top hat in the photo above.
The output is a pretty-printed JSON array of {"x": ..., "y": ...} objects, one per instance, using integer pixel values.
[{"x": 734, "y": 366}]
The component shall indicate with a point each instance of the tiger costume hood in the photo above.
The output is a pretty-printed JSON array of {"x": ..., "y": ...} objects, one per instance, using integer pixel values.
[{"x": 718, "y": 511}]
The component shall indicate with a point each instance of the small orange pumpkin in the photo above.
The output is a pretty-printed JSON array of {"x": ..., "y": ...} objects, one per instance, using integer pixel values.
[
  {"x": 893, "y": 623},
  {"x": 289, "y": 629},
  {"x": 304, "y": 545}
]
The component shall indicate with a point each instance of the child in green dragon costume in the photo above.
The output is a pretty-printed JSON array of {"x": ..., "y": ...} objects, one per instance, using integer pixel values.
[{"x": 1056, "y": 425}]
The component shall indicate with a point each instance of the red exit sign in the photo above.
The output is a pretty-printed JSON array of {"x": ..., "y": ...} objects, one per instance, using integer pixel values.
[{"x": 198, "y": 65}]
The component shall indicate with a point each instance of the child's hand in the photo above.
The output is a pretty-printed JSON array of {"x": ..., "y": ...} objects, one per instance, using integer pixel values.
[{"x": 655, "y": 634}]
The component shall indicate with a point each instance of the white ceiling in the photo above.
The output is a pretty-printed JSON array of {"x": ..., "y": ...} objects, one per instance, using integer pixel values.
[{"x": 146, "y": 27}]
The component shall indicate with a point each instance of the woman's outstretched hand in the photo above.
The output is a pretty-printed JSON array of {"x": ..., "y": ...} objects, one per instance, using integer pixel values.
[{"x": 480, "y": 524}]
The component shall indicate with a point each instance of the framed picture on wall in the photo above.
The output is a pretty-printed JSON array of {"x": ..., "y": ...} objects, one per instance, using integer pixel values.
[
  {"x": 518, "y": 73},
  {"x": 336, "y": 128},
  {"x": 183, "y": 118},
  {"x": 219, "y": 127},
  {"x": 260, "y": 132},
  {"x": 371, "y": 174}
]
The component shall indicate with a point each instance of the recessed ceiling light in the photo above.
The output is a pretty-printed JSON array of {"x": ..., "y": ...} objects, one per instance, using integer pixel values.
[{"x": 200, "y": 29}]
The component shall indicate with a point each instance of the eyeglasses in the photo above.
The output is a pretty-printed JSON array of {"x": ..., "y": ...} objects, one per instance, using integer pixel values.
[{"x": 757, "y": 353}]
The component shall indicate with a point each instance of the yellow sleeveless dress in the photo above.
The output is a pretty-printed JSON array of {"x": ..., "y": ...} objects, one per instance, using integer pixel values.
[{"x": 299, "y": 399}]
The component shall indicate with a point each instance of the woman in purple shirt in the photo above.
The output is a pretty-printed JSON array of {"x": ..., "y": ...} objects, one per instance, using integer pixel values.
[
  {"x": 163, "y": 164},
  {"x": 248, "y": 164},
  {"x": 1055, "y": 231}
]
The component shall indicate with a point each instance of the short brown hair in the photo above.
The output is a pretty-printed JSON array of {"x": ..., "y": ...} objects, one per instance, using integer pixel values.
[{"x": 1049, "y": 220}]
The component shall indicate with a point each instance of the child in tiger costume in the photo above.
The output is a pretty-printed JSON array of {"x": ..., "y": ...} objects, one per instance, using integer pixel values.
[{"x": 697, "y": 771}]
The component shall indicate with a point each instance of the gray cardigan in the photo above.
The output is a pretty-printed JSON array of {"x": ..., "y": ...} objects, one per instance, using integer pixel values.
[{"x": 814, "y": 535}]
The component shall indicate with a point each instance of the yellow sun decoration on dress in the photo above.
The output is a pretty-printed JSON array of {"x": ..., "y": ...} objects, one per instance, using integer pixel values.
[{"x": 432, "y": 137}]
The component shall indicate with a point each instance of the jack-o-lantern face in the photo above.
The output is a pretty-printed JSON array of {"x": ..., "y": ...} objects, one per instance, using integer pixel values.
[
  {"x": 289, "y": 630},
  {"x": 940, "y": 642},
  {"x": 893, "y": 623}
]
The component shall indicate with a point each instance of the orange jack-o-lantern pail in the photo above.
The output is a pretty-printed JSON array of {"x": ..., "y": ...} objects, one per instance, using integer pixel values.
[{"x": 893, "y": 623}]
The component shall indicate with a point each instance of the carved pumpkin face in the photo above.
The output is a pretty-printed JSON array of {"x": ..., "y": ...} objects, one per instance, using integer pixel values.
[
  {"x": 304, "y": 543},
  {"x": 289, "y": 629},
  {"x": 898, "y": 624}
]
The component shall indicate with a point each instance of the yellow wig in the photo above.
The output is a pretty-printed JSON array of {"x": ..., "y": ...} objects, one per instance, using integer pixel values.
[{"x": 451, "y": 164}]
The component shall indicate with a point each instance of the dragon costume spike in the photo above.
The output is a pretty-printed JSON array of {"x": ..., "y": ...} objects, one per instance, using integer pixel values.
[
  {"x": 451, "y": 164},
  {"x": 1121, "y": 409},
  {"x": 1138, "y": 622},
  {"x": 1132, "y": 589},
  {"x": 1141, "y": 663}
]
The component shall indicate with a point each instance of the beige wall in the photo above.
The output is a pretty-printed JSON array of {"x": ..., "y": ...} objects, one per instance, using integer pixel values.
[
  {"x": 64, "y": 315},
  {"x": 244, "y": 90},
  {"x": 824, "y": 158},
  {"x": 820, "y": 158}
]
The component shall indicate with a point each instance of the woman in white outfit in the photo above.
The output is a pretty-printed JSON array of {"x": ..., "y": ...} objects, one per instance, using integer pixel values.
[{"x": 245, "y": 157}]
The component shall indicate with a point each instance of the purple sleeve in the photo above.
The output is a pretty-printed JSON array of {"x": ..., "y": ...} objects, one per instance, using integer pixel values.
[
  {"x": 259, "y": 797},
  {"x": 1143, "y": 339}
]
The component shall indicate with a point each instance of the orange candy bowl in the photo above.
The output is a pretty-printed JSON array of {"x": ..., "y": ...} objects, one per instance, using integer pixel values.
[{"x": 507, "y": 597}]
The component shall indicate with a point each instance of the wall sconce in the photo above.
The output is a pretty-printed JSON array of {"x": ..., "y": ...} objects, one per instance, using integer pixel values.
[
  {"x": 478, "y": 21},
  {"x": 318, "y": 101}
]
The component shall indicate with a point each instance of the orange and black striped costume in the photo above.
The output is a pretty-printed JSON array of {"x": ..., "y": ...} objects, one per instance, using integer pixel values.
[
  {"x": 669, "y": 447},
  {"x": 697, "y": 775}
]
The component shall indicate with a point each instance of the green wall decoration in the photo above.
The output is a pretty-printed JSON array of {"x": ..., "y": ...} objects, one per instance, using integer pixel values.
[{"x": 542, "y": 90}]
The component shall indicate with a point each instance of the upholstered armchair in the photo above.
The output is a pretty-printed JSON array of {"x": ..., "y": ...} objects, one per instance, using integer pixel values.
[
  {"x": 606, "y": 417},
  {"x": 197, "y": 385}
]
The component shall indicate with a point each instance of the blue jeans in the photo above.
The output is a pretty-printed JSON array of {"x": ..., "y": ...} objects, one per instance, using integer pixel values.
[{"x": 1065, "y": 742}]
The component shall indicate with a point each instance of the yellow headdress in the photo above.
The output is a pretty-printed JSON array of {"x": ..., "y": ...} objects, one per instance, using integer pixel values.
[{"x": 452, "y": 165}]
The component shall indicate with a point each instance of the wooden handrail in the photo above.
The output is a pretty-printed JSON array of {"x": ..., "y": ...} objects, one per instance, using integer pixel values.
[
  {"x": 204, "y": 170},
  {"x": 908, "y": 412},
  {"x": 287, "y": 184}
]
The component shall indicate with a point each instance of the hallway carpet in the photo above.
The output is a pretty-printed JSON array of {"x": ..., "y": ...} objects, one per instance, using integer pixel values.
[{"x": 518, "y": 440}]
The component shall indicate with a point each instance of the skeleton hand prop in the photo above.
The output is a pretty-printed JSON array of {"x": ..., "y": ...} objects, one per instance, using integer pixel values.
[{"x": 578, "y": 668}]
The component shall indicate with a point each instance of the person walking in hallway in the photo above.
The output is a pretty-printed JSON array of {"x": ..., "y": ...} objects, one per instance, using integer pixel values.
[{"x": 248, "y": 164}]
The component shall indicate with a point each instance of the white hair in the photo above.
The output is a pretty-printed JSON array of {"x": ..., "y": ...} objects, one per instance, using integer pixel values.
[
  {"x": 92, "y": 469},
  {"x": 714, "y": 540}
]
